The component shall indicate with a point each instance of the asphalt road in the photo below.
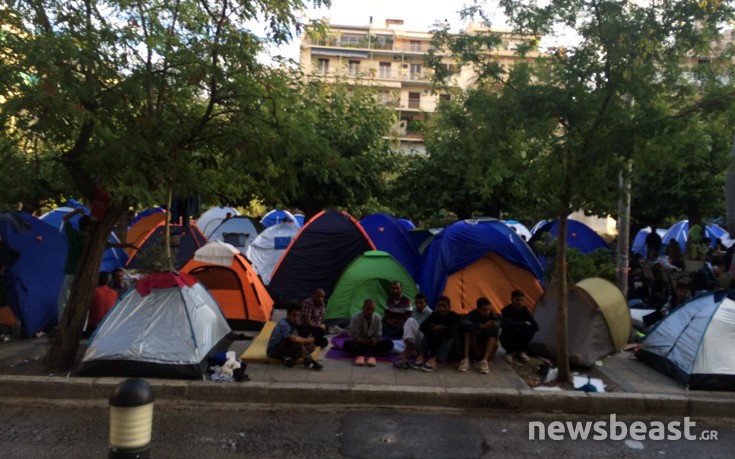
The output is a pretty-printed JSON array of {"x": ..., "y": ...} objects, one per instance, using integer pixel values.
[{"x": 80, "y": 430}]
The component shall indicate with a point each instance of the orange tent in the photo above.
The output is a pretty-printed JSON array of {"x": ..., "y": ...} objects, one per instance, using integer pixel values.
[
  {"x": 140, "y": 229},
  {"x": 493, "y": 277},
  {"x": 237, "y": 289}
]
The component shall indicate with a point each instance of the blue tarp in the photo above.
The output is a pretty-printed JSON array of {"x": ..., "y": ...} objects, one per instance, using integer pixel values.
[
  {"x": 33, "y": 283},
  {"x": 463, "y": 243},
  {"x": 390, "y": 235}
]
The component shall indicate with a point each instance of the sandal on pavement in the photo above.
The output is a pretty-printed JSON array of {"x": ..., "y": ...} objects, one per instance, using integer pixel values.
[
  {"x": 371, "y": 362},
  {"x": 360, "y": 361},
  {"x": 464, "y": 365}
]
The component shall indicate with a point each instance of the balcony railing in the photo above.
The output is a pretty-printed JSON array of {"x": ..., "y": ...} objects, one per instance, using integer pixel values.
[
  {"x": 413, "y": 103},
  {"x": 373, "y": 44}
]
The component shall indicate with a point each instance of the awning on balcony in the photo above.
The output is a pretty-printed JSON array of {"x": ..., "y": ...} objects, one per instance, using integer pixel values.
[{"x": 340, "y": 52}]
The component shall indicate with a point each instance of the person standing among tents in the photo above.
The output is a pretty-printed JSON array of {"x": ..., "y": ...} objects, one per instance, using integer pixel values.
[
  {"x": 75, "y": 243},
  {"x": 366, "y": 336},
  {"x": 118, "y": 283},
  {"x": 481, "y": 331},
  {"x": 518, "y": 328},
  {"x": 312, "y": 318},
  {"x": 8, "y": 257},
  {"x": 103, "y": 299},
  {"x": 398, "y": 308},
  {"x": 287, "y": 346},
  {"x": 412, "y": 334}
]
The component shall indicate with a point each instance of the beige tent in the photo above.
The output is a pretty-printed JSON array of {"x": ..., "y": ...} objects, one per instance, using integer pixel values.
[{"x": 599, "y": 322}]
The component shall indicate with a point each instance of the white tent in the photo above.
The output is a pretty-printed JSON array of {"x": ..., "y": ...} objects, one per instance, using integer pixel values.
[
  {"x": 238, "y": 231},
  {"x": 212, "y": 218},
  {"x": 165, "y": 327},
  {"x": 265, "y": 251}
]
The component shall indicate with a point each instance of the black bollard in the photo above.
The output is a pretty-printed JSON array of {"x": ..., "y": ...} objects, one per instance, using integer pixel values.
[{"x": 131, "y": 419}]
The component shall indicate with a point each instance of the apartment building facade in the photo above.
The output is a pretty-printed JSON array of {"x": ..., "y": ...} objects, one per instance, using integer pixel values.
[{"x": 392, "y": 60}]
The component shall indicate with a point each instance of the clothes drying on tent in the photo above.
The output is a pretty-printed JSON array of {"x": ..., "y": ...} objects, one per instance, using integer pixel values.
[
  {"x": 275, "y": 217},
  {"x": 238, "y": 231},
  {"x": 141, "y": 225},
  {"x": 598, "y": 322},
  {"x": 389, "y": 235},
  {"x": 694, "y": 344},
  {"x": 112, "y": 258},
  {"x": 579, "y": 236},
  {"x": 184, "y": 209},
  {"x": 33, "y": 281},
  {"x": 461, "y": 245},
  {"x": 165, "y": 327},
  {"x": 265, "y": 251},
  {"x": 233, "y": 283},
  {"x": 370, "y": 275},
  {"x": 317, "y": 256},
  {"x": 184, "y": 242},
  {"x": 212, "y": 218}
]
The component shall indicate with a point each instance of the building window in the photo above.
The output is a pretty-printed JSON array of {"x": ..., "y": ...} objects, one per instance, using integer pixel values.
[
  {"x": 415, "y": 45},
  {"x": 323, "y": 66},
  {"x": 349, "y": 41},
  {"x": 414, "y": 100},
  {"x": 353, "y": 68},
  {"x": 415, "y": 71},
  {"x": 384, "y": 70},
  {"x": 386, "y": 98}
]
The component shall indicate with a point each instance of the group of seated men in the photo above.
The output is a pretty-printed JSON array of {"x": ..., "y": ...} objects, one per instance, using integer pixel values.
[{"x": 429, "y": 337}]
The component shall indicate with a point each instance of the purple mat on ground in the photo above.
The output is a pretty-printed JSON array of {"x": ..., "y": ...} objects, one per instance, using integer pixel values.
[{"x": 336, "y": 351}]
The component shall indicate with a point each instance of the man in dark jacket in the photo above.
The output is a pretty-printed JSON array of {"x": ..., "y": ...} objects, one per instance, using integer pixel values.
[
  {"x": 440, "y": 333},
  {"x": 518, "y": 328}
]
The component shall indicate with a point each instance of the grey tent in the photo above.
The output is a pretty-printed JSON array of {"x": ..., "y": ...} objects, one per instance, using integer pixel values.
[
  {"x": 599, "y": 322},
  {"x": 695, "y": 343},
  {"x": 165, "y": 327}
]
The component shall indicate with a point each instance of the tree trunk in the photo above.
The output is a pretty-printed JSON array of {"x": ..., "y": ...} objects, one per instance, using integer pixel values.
[
  {"x": 623, "y": 246},
  {"x": 167, "y": 233},
  {"x": 63, "y": 352},
  {"x": 730, "y": 194},
  {"x": 562, "y": 320}
]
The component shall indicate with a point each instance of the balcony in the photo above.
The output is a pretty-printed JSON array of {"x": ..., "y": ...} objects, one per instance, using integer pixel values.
[{"x": 372, "y": 43}]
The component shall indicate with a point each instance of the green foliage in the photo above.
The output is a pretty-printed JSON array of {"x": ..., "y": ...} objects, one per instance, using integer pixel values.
[
  {"x": 598, "y": 263},
  {"x": 546, "y": 138},
  {"x": 143, "y": 97}
]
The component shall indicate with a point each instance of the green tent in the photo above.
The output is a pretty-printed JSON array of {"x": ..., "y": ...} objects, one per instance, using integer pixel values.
[{"x": 368, "y": 276}]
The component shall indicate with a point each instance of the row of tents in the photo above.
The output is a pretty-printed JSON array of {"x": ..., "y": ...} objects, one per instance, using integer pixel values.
[{"x": 333, "y": 251}]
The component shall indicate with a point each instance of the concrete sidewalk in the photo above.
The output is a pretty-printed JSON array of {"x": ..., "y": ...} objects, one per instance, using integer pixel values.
[{"x": 639, "y": 389}]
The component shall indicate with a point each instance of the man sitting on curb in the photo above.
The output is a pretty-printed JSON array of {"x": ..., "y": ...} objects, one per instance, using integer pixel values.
[
  {"x": 480, "y": 336},
  {"x": 286, "y": 345},
  {"x": 519, "y": 326},
  {"x": 411, "y": 332},
  {"x": 440, "y": 333},
  {"x": 366, "y": 335}
]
